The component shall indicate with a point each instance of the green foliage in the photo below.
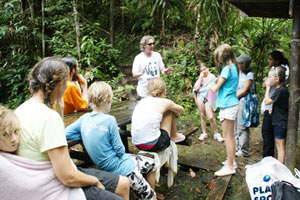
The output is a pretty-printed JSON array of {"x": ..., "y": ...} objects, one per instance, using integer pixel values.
[
  {"x": 186, "y": 72},
  {"x": 220, "y": 22},
  {"x": 12, "y": 82}
]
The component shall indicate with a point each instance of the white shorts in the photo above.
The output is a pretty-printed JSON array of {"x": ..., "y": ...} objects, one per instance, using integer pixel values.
[{"x": 229, "y": 113}]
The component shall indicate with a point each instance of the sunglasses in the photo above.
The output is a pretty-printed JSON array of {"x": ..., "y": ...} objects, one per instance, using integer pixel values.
[{"x": 151, "y": 44}]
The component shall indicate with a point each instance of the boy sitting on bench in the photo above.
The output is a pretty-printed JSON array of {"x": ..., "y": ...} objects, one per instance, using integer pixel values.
[{"x": 101, "y": 138}]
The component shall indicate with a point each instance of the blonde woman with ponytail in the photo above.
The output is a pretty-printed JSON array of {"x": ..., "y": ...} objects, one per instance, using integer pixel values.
[{"x": 154, "y": 119}]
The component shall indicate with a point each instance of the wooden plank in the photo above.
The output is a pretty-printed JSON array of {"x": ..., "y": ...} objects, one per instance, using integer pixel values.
[
  {"x": 219, "y": 188},
  {"x": 198, "y": 163}
]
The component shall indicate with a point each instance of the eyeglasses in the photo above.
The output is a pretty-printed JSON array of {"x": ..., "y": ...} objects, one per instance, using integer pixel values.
[{"x": 151, "y": 44}]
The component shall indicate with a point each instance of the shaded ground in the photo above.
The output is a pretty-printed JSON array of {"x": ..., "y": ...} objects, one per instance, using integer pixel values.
[{"x": 186, "y": 188}]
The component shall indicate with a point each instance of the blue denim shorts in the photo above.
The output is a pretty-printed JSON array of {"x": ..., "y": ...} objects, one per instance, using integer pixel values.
[{"x": 279, "y": 131}]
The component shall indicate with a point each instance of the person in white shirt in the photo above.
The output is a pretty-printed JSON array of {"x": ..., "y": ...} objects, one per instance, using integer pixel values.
[
  {"x": 154, "y": 119},
  {"x": 147, "y": 65}
]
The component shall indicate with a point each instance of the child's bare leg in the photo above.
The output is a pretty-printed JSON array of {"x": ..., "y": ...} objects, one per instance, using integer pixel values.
[
  {"x": 201, "y": 108},
  {"x": 228, "y": 135},
  {"x": 123, "y": 187},
  {"x": 168, "y": 123},
  {"x": 280, "y": 145},
  {"x": 150, "y": 177},
  {"x": 210, "y": 115}
]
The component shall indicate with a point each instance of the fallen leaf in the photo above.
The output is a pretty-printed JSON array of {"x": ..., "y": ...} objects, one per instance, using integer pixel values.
[
  {"x": 210, "y": 185},
  {"x": 160, "y": 196},
  {"x": 192, "y": 174},
  {"x": 198, "y": 190}
]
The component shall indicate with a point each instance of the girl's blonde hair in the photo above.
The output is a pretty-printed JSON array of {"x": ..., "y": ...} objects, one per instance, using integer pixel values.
[
  {"x": 280, "y": 73},
  {"x": 224, "y": 55},
  {"x": 8, "y": 120},
  {"x": 144, "y": 41},
  {"x": 156, "y": 87},
  {"x": 99, "y": 93}
]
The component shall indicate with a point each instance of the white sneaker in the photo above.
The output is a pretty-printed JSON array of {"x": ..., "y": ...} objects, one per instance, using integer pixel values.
[
  {"x": 217, "y": 136},
  {"x": 234, "y": 164},
  {"x": 224, "y": 171},
  {"x": 203, "y": 136},
  {"x": 239, "y": 153}
]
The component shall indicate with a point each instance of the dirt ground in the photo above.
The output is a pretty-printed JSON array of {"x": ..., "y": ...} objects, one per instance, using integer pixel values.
[{"x": 186, "y": 188}]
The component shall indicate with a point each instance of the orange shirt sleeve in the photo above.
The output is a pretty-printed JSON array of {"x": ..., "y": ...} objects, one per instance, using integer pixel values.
[{"x": 73, "y": 99}]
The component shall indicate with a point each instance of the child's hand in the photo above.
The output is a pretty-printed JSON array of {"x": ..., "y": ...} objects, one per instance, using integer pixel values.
[
  {"x": 217, "y": 79},
  {"x": 169, "y": 70},
  {"x": 209, "y": 87},
  {"x": 268, "y": 83},
  {"x": 270, "y": 111}
]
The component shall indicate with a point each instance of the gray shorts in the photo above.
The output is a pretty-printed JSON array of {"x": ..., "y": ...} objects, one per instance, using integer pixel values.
[{"x": 109, "y": 180}]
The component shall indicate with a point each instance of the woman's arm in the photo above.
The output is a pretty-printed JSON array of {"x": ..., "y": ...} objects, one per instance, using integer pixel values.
[
  {"x": 138, "y": 74},
  {"x": 245, "y": 89},
  {"x": 66, "y": 172}
]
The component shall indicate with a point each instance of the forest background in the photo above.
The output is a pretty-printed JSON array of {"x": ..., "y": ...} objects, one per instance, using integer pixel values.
[{"x": 104, "y": 36}]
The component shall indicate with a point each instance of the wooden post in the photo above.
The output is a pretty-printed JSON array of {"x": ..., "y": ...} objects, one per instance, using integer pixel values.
[{"x": 291, "y": 140}]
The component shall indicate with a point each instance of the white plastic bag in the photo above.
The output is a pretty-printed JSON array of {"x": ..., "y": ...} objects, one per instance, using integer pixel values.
[{"x": 261, "y": 175}]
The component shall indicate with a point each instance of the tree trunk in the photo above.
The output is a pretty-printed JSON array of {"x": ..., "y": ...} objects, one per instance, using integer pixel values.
[
  {"x": 43, "y": 28},
  {"x": 163, "y": 27},
  {"x": 197, "y": 32},
  {"x": 111, "y": 22},
  {"x": 76, "y": 19},
  {"x": 123, "y": 20},
  {"x": 291, "y": 140}
]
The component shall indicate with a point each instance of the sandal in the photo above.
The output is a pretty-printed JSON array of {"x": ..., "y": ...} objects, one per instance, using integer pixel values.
[{"x": 179, "y": 138}]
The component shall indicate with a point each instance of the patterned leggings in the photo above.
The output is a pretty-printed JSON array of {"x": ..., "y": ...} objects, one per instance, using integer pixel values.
[{"x": 138, "y": 183}]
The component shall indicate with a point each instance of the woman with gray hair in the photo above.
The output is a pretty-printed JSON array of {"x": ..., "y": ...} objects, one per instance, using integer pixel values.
[{"x": 147, "y": 65}]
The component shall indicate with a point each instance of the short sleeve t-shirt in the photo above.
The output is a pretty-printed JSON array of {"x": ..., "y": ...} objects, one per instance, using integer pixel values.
[
  {"x": 153, "y": 65},
  {"x": 42, "y": 129},
  {"x": 280, "y": 106},
  {"x": 101, "y": 138},
  {"x": 242, "y": 80},
  {"x": 227, "y": 93}
]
